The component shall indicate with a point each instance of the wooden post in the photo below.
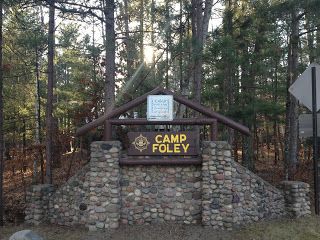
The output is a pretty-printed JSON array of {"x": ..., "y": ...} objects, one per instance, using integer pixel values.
[{"x": 214, "y": 130}]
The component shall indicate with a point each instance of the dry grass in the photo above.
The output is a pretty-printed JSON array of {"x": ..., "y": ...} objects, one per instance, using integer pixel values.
[{"x": 303, "y": 228}]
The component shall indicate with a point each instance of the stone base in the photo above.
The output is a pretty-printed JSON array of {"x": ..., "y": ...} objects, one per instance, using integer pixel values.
[{"x": 219, "y": 194}]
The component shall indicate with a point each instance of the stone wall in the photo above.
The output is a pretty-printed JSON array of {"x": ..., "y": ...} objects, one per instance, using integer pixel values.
[
  {"x": 232, "y": 195},
  {"x": 220, "y": 193},
  {"x": 37, "y": 204},
  {"x": 297, "y": 198},
  {"x": 160, "y": 193},
  {"x": 253, "y": 198},
  {"x": 90, "y": 198},
  {"x": 68, "y": 204}
]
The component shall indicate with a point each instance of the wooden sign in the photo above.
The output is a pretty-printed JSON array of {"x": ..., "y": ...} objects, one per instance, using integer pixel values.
[{"x": 162, "y": 143}]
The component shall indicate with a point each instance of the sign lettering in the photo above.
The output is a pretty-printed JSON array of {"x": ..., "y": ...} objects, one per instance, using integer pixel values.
[{"x": 162, "y": 143}]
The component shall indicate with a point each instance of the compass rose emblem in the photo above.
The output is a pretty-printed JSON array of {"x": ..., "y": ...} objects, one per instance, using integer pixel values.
[{"x": 141, "y": 143}]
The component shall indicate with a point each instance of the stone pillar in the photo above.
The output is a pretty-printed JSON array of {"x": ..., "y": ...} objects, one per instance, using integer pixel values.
[
  {"x": 104, "y": 187},
  {"x": 296, "y": 198},
  {"x": 217, "y": 185},
  {"x": 37, "y": 203}
]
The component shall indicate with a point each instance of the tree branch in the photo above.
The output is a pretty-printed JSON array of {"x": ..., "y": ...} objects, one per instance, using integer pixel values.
[{"x": 309, "y": 31}]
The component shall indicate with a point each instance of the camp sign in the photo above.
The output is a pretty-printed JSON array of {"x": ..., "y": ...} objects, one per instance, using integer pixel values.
[{"x": 162, "y": 143}]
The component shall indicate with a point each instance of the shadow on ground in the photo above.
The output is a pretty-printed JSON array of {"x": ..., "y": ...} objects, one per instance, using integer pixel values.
[{"x": 303, "y": 228}]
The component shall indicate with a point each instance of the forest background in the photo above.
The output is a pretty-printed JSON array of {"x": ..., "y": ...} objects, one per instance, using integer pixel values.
[{"x": 64, "y": 63}]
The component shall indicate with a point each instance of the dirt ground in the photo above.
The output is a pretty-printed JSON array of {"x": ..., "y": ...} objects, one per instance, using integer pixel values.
[{"x": 303, "y": 228}]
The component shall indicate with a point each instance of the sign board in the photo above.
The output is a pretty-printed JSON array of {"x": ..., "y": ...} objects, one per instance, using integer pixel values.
[
  {"x": 162, "y": 143},
  {"x": 302, "y": 87},
  {"x": 305, "y": 125},
  {"x": 160, "y": 108}
]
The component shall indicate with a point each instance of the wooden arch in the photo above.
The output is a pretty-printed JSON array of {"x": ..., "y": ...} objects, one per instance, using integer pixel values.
[{"x": 211, "y": 119}]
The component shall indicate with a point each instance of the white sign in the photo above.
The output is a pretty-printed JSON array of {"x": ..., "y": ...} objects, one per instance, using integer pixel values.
[
  {"x": 302, "y": 87},
  {"x": 305, "y": 125},
  {"x": 160, "y": 108}
]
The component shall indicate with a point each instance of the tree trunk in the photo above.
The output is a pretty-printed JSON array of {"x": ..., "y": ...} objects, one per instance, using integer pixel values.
[
  {"x": 183, "y": 83},
  {"x": 110, "y": 46},
  {"x": 275, "y": 122},
  {"x": 40, "y": 150},
  {"x": 95, "y": 57},
  {"x": 128, "y": 41},
  {"x": 1, "y": 122},
  {"x": 247, "y": 82},
  {"x": 317, "y": 54},
  {"x": 38, "y": 154},
  {"x": 49, "y": 113},
  {"x": 154, "y": 72},
  {"x": 229, "y": 72},
  {"x": 200, "y": 17},
  {"x": 168, "y": 42},
  {"x": 291, "y": 138},
  {"x": 310, "y": 39},
  {"x": 180, "y": 48},
  {"x": 141, "y": 29},
  {"x": 197, "y": 47}
]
